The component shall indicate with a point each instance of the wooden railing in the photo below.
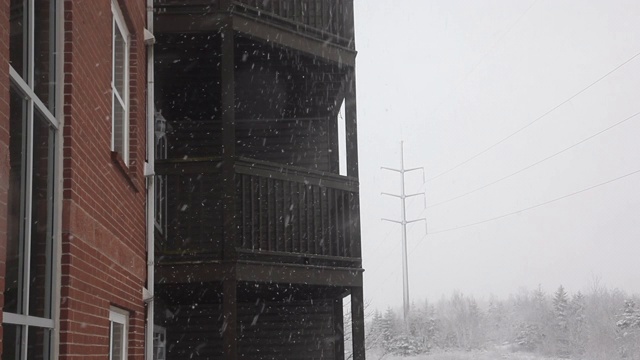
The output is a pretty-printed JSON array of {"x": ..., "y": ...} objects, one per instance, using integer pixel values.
[
  {"x": 329, "y": 20},
  {"x": 282, "y": 213}
]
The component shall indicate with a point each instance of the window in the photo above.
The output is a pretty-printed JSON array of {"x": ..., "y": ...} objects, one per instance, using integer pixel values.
[
  {"x": 160, "y": 181},
  {"x": 33, "y": 127},
  {"x": 120, "y": 85},
  {"x": 118, "y": 329}
]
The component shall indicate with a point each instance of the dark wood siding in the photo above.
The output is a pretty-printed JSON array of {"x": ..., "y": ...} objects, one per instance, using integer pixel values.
[{"x": 276, "y": 330}]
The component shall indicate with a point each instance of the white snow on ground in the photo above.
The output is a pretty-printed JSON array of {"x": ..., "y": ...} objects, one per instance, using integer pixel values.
[{"x": 496, "y": 354}]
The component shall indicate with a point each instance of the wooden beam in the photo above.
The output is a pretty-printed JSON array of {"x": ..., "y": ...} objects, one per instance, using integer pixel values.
[
  {"x": 192, "y": 273},
  {"x": 338, "y": 328},
  {"x": 188, "y": 23},
  {"x": 357, "y": 323},
  {"x": 230, "y": 319},
  {"x": 298, "y": 274},
  {"x": 293, "y": 40},
  {"x": 351, "y": 132},
  {"x": 289, "y": 173},
  {"x": 259, "y": 272},
  {"x": 227, "y": 87},
  {"x": 351, "y": 124},
  {"x": 349, "y": 22}
]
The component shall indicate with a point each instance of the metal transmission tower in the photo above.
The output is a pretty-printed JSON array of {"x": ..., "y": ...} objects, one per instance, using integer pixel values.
[{"x": 403, "y": 221}]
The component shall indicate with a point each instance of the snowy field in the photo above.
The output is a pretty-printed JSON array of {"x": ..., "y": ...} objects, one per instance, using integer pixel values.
[{"x": 464, "y": 355}]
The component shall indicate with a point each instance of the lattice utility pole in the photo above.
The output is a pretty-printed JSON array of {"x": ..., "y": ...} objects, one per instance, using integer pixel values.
[{"x": 403, "y": 221}]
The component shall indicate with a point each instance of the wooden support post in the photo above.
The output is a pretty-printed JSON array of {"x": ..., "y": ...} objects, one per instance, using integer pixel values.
[
  {"x": 349, "y": 24},
  {"x": 334, "y": 151},
  {"x": 338, "y": 328},
  {"x": 351, "y": 132},
  {"x": 227, "y": 84},
  {"x": 351, "y": 124},
  {"x": 230, "y": 322},
  {"x": 357, "y": 323}
]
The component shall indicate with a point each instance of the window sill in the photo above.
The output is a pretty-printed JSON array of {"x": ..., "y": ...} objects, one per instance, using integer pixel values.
[{"x": 124, "y": 170}]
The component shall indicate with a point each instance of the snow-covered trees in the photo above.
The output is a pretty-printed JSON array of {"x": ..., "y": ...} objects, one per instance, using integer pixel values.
[
  {"x": 596, "y": 326},
  {"x": 560, "y": 329},
  {"x": 629, "y": 331},
  {"x": 577, "y": 324}
]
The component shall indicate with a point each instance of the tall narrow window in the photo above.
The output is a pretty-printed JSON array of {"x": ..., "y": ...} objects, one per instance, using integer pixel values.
[
  {"x": 28, "y": 311},
  {"x": 120, "y": 85},
  {"x": 160, "y": 180},
  {"x": 119, "y": 327}
]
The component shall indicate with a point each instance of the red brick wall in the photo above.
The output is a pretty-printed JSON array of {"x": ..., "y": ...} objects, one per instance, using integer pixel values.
[
  {"x": 4, "y": 146},
  {"x": 103, "y": 224}
]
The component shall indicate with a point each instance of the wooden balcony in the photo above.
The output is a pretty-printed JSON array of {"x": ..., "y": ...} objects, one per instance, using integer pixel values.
[
  {"x": 283, "y": 214},
  {"x": 325, "y": 19},
  {"x": 330, "y": 21}
]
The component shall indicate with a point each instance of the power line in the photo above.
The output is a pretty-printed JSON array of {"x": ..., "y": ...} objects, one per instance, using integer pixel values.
[
  {"x": 532, "y": 165},
  {"x": 535, "y": 120},
  {"x": 376, "y": 250},
  {"x": 535, "y": 206}
]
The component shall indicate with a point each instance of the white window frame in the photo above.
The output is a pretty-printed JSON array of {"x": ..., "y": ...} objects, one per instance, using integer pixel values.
[
  {"x": 120, "y": 25},
  {"x": 119, "y": 316}
]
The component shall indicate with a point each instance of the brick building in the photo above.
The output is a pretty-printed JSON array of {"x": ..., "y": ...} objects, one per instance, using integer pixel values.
[
  {"x": 72, "y": 189},
  {"x": 240, "y": 241}
]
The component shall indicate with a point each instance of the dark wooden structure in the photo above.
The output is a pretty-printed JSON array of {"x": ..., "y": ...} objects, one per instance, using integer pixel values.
[{"x": 257, "y": 233}]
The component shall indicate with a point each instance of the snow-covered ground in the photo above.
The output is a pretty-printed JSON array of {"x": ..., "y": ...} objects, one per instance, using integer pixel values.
[{"x": 496, "y": 354}]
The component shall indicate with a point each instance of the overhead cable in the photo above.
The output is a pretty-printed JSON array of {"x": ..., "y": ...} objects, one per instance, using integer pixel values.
[
  {"x": 535, "y": 206},
  {"x": 534, "y": 120},
  {"x": 532, "y": 165}
]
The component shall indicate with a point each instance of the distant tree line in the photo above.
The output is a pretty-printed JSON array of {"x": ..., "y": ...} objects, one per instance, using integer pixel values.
[{"x": 603, "y": 324}]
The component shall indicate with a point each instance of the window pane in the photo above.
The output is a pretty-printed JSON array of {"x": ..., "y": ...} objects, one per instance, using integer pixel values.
[
  {"x": 117, "y": 341},
  {"x": 118, "y": 128},
  {"x": 41, "y": 218},
  {"x": 44, "y": 46},
  {"x": 39, "y": 343},
  {"x": 18, "y": 33},
  {"x": 11, "y": 340},
  {"x": 119, "y": 60},
  {"x": 15, "y": 221}
]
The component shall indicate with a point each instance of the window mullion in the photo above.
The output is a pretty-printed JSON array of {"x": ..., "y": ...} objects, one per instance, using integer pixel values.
[
  {"x": 119, "y": 97},
  {"x": 31, "y": 44},
  {"x": 28, "y": 92},
  {"x": 126, "y": 97},
  {"x": 49, "y": 254},
  {"x": 113, "y": 83},
  {"x": 24, "y": 346},
  {"x": 111, "y": 340},
  {"x": 28, "y": 205},
  {"x": 24, "y": 185},
  {"x": 45, "y": 111}
]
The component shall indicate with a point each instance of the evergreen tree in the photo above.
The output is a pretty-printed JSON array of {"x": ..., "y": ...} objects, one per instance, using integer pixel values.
[
  {"x": 577, "y": 323},
  {"x": 374, "y": 335},
  {"x": 496, "y": 320},
  {"x": 387, "y": 330},
  {"x": 630, "y": 318},
  {"x": 560, "y": 310},
  {"x": 560, "y": 307},
  {"x": 629, "y": 331}
]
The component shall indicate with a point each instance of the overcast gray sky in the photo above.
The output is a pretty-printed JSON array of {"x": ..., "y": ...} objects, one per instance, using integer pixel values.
[{"x": 453, "y": 78}]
